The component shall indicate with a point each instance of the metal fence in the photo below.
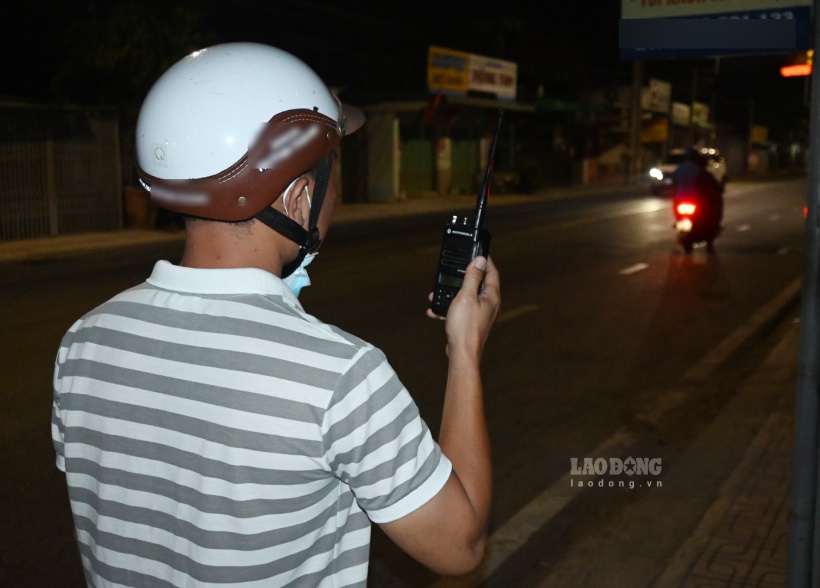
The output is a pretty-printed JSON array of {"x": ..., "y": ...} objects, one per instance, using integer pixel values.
[{"x": 60, "y": 172}]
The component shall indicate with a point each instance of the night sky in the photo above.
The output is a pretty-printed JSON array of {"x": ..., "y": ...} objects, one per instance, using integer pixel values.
[{"x": 370, "y": 49}]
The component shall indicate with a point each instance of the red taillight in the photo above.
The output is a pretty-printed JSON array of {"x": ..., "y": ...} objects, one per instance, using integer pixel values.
[{"x": 686, "y": 209}]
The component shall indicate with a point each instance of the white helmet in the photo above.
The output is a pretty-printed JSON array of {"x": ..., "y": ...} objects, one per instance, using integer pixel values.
[{"x": 223, "y": 132}]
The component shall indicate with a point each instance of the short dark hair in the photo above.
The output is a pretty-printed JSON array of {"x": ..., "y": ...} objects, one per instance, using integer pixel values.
[{"x": 190, "y": 220}]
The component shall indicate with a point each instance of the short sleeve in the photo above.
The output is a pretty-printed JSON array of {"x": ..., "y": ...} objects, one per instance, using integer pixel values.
[
  {"x": 376, "y": 441},
  {"x": 57, "y": 426}
]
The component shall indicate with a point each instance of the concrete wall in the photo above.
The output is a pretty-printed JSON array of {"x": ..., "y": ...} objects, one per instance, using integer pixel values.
[{"x": 383, "y": 158}]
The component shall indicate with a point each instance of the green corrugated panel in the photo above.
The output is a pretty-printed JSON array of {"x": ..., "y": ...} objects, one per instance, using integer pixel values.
[
  {"x": 417, "y": 167},
  {"x": 465, "y": 166}
]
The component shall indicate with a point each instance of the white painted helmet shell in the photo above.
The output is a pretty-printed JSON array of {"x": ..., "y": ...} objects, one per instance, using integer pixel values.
[
  {"x": 204, "y": 113},
  {"x": 202, "y": 126}
]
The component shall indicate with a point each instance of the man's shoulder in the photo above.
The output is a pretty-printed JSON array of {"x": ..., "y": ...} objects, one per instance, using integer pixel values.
[
  {"x": 251, "y": 315},
  {"x": 349, "y": 338},
  {"x": 106, "y": 305}
]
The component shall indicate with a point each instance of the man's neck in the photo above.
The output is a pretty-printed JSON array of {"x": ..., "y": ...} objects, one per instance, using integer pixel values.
[{"x": 219, "y": 245}]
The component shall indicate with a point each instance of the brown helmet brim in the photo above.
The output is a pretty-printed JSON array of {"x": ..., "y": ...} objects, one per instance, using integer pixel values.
[{"x": 290, "y": 144}]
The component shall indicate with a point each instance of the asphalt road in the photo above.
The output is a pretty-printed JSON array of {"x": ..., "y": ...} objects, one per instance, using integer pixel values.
[{"x": 602, "y": 315}]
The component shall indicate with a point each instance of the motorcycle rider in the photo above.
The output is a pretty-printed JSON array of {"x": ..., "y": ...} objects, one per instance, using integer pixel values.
[{"x": 692, "y": 179}]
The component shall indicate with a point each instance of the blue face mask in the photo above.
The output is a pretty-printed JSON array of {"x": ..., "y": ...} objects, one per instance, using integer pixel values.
[{"x": 299, "y": 278}]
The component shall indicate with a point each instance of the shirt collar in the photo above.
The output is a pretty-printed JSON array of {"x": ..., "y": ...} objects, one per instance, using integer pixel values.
[{"x": 227, "y": 281}]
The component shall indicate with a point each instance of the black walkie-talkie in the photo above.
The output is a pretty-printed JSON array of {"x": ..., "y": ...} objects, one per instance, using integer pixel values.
[{"x": 464, "y": 240}]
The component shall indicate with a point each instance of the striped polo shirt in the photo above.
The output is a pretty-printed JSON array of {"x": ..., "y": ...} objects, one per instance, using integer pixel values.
[{"x": 213, "y": 433}]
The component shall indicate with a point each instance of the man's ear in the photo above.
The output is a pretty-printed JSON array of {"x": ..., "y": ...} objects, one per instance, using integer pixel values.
[{"x": 296, "y": 202}]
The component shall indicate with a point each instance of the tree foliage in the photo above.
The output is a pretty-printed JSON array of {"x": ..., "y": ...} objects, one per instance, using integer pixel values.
[{"x": 114, "y": 51}]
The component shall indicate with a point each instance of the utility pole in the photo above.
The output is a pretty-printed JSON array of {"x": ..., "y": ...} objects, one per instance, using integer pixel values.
[
  {"x": 634, "y": 168},
  {"x": 692, "y": 135},
  {"x": 803, "y": 557},
  {"x": 713, "y": 105},
  {"x": 750, "y": 137}
]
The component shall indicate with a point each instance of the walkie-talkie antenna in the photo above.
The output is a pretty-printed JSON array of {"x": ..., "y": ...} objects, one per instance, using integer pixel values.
[{"x": 485, "y": 187}]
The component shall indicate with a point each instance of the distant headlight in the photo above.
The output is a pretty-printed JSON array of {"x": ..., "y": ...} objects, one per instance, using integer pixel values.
[{"x": 656, "y": 173}]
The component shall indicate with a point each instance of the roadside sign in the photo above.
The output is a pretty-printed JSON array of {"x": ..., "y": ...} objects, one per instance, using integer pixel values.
[
  {"x": 458, "y": 73},
  {"x": 661, "y": 29},
  {"x": 701, "y": 8}
]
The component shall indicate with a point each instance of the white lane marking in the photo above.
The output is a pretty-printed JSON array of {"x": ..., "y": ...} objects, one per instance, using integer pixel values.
[
  {"x": 513, "y": 534},
  {"x": 516, "y": 312},
  {"x": 742, "y": 228},
  {"x": 633, "y": 269}
]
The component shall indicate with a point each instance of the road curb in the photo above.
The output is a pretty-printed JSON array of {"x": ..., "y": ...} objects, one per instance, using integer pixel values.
[
  {"x": 762, "y": 320},
  {"x": 55, "y": 248},
  {"x": 722, "y": 531}
]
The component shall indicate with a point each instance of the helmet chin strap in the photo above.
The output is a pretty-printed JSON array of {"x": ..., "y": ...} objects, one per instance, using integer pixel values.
[{"x": 310, "y": 239}]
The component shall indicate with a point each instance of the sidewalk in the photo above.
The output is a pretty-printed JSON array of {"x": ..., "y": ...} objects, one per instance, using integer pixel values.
[
  {"x": 68, "y": 245},
  {"x": 742, "y": 538}
]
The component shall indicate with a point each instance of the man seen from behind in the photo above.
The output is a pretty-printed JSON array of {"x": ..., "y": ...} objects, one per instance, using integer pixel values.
[{"x": 214, "y": 433}]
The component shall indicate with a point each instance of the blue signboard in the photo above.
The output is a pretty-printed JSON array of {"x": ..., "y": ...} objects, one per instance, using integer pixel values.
[{"x": 782, "y": 30}]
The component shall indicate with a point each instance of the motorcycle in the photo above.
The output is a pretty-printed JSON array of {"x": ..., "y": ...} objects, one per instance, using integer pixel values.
[{"x": 693, "y": 223}]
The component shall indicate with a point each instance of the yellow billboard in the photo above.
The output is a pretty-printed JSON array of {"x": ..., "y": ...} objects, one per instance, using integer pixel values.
[
  {"x": 448, "y": 70},
  {"x": 457, "y": 72}
]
